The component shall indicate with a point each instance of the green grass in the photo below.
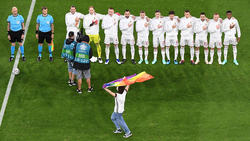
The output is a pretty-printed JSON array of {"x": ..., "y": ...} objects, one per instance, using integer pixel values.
[{"x": 182, "y": 103}]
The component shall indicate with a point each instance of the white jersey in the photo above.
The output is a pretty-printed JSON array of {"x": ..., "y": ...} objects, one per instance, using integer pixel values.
[
  {"x": 154, "y": 23},
  {"x": 70, "y": 20},
  {"x": 168, "y": 27},
  {"x": 110, "y": 24},
  {"x": 198, "y": 28},
  {"x": 140, "y": 27},
  {"x": 120, "y": 102},
  {"x": 226, "y": 27},
  {"x": 185, "y": 31},
  {"x": 214, "y": 32},
  {"x": 125, "y": 29},
  {"x": 88, "y": 19}
]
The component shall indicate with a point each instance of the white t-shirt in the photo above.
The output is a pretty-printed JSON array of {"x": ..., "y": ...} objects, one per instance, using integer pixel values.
[{"x": 120, "y": 102}]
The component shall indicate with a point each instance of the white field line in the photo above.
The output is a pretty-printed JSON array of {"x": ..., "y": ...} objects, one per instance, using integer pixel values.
[{"x": 7, "y": 93}]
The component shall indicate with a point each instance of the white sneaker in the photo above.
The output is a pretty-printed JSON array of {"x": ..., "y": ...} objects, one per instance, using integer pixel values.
[
  {"x": 197, "y": 62},
  {"x": 211, "y": 62},
  {"x": 219, "y": 61},
  {"x": 127, "y": 135},
  {"x": 206, "y": 61}
]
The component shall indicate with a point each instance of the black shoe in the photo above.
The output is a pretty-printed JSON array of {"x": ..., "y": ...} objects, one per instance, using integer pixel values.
[
  {"x": 11, "y": 59},
  {"x": 192, "y": 62},
  {"x": 50, "y": 59},
  {"x": 39, "y": 58},
  {"x": 69, "y": 81},
  {"x": 100, "y": 60},
  {"x": 124, "y": 61},
  {"x": 23, "y": 58},
  {"x": 90, "y": 89},
  {"x": 133, "y": 61},
  {"x": 73, "y": 83},
  {"x": 78, "y": 91},
  {"x": 65, "y": 60}
]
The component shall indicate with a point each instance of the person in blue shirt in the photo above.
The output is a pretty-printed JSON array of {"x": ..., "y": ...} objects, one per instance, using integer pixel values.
[
  {"x": 68, "y": 53},
  {"x": 44, "y": 31},
  {"x": 16, "y": 32}
]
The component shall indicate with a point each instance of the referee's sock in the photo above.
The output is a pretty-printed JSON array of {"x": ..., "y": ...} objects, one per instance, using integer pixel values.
[
  {"x": 50, "y": 51},
  {"x": 12, "y": 51},
  {"x": 40, "y": 49},
  {"x": 22, "y": 50}
]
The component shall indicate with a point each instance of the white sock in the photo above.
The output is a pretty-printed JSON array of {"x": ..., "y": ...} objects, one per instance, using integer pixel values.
[
  {"x": 163, "y": 53},
  {"x": 197, "y": 54},
  {"x": 192, "y": 53},
  {"x": 206, "y": 54},
  {"x": 235, "y": 52},
  {"x": 175, "y": 53},
  {"x": 167, "y": 53},
  {"x": 124, "y": 51},
  {"x": 116, "y": 51},
  {"x": 182, "y": 52},
  {"x": 132, "y": 49},
  {"x": 141, "y": 53},
  {"x": 146, "y": 53},
  {"x": 219, "y": 54},
  {"x": 225, "y": 52},
  {"x": 212, "y": 54},
  {"x": 155, "y": 53},
  {"x": 107, "y": 50}
]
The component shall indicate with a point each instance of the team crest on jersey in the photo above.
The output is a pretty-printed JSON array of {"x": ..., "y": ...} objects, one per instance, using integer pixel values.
[{"x": 47, "y": 22}]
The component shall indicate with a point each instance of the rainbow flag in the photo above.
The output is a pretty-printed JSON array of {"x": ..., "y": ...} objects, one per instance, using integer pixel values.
[
  {"x": 141, "y": 77},
  {"x": 52, "y": 46}
]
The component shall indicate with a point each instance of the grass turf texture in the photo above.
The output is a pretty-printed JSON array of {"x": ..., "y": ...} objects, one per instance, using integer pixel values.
[{"x": 182, "y": 103}]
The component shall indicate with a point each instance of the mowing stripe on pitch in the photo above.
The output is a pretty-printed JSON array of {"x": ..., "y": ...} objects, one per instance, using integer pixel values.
[{"x": 12, "y": 76}]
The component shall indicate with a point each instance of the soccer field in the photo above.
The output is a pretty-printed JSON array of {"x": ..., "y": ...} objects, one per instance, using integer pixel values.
[{"x": 182, "y": 103}]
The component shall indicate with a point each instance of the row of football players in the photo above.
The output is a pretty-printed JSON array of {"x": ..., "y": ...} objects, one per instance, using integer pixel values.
[{"x": 159, "y": 25}]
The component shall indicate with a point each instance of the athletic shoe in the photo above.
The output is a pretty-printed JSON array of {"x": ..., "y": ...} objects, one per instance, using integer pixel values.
[
  {"x": 219, "y": 62},
  {"x": 69, "y": 81},
  {"x": 78, "y": 91},
  {"x": 100, "y": 60},
  {"x": 236, "y": 62},
  {"x": 182, "y": 62},
  {"x": 39, "y": 58},
  {"x": 117, "y": 131},
  {"x": 168, "y": 62},
  {"x": 127, "y": 135},
  {"x": 90, "y": 89},
  {"x": 164, "y": 62},
  {"x": 224, "y": 62},
  {"x": 146, "y": 61},
  {"x": 210, "y": 62},
  {"x": 175, "y": 62},
  {"x": 133, "y": 61},
  {"x": 206, "y": 62},
  {"x": 123, "y": 61},
  {"x": 154, "y": 61},
  {"x": 192, "y": 62},
  {"x": 65, "y": 60},
  {"x": 50, "y": 59},
  {"x": 23, "y": 58},
  {"x": 140, "y": 61},
  {"x": 197, "y": 62},
  {"x": 118, "y": 61},
  {"x": 11, "y": 59},
  {"x": 73, "y": 83},
  {"x": 107, "y": 61}
]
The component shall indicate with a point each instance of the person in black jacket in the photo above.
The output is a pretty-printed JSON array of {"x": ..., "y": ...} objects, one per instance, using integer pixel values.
[{"x": 83, "y": 53}]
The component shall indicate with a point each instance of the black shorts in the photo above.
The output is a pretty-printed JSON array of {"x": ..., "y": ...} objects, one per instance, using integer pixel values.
[
  {"x": 44, "y": 35},
  {"x": 16, "y": 36}
]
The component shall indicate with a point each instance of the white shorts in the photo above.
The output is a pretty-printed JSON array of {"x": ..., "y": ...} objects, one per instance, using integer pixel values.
[
  {"x": 230, "y": 40},
  {"x": 109, "y": 39},
  {"x": 158, "y": 39},
  {"x": 127, "y": 39},
  {"x": 75, "y": 33},
  {"x": 215, "y": 42},
  {"x": 171, "y": 41},
  {"x": 142, "y": 41},
  {"x": 201, "y": 41},
  {"x": 187, "y": 40}
]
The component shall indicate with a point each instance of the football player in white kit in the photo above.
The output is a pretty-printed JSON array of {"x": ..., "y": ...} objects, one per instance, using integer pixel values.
[
  {"x": 171, "y": 28},
  {"x": 187, "y": 35},
  {"x": 91, "y": 24},
  {"x": 127, "y": 29},
  {"x": 142, "y": 29},
  {"x": 110, "y": 26},
  {"x": 200, "y": 29},
  {"x": 72, "y": 20},
  {"x": 215, "y": 30},
  {"x": 156, "y": 26},
  {"x": 230, "y": 27}
]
